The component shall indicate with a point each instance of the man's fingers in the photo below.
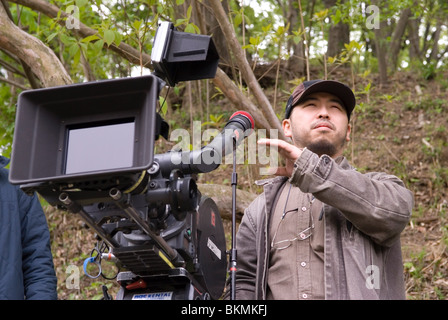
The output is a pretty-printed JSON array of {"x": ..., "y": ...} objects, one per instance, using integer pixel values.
[
  {"x": 290, "y": 152},
  {"x": 286, "y": 149},
  {"x": 281, "y": 171}
]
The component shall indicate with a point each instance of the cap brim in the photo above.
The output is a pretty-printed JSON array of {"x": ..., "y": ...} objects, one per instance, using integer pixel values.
[{"x": 340, "y": 90}]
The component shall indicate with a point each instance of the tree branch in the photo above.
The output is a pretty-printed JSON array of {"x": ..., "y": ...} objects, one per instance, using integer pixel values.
[
  {"x": 13, "y": 83},
  {"x": 245, "y": 68},
  {"x": 234, "y": 94},
  {"x": 27, "y": 70},
  {"x": 42, "y": 61},
  {"x": 126, "y": 51},
  {"x": 11, "y": 68},
  {"x": 50, "y": 10}
]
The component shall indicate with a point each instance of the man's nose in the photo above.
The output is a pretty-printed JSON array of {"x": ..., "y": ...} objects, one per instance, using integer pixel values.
[{"x": 323, "y": 113}]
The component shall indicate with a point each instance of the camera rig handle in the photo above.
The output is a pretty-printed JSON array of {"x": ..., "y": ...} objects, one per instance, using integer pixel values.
[{"x": 123, "y": 202}]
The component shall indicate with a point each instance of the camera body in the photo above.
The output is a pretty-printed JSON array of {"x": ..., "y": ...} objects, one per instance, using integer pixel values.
[{"x": 89, "y": 148}]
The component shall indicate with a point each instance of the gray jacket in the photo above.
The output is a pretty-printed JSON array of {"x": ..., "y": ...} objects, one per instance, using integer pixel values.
[{"x": 364, "y": 215}]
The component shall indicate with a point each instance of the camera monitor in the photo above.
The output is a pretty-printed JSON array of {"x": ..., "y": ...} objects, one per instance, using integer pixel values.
[
  {"x": 85, "y": 132},
  {"x": 181, "y": 56},
  {"x": 100, "y": 147}
]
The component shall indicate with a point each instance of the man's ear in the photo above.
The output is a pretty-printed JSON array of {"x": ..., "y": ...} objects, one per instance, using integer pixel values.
[
  {"x": 349, "y": 130},
  {"x": 286, "y": 125}
]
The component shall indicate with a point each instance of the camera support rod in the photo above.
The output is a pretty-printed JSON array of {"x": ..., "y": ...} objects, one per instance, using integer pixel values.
[
  {"x": 233, "y": 250},
  {"x": 76, "y": 208},
  {"x": 120, "y": 200}
]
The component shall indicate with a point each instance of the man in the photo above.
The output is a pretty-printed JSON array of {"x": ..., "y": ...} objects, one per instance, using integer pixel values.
[
  {"x": 26, "y": 263},
  {"x": 322, "y": 230}
]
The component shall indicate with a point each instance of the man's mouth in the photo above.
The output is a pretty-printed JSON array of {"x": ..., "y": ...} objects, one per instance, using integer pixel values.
[{"x": 323, "y": 124}]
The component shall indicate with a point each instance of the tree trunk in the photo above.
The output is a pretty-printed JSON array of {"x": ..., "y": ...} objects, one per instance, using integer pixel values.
[
  {"x": 397, "y": 38},
  {"x": 414, "y": 39},
  {"x": 236, "y": 96},
  {"x": 338, "y": 35},
  {"x": 245, "y": 68},
  {"x": 435, "y": 38},
  {"x": 381, "y": 49},
  {"x": 212, "y": 27},
  {"x": 33, "y": 52},
  {"x": 296, "y": 63},
  {"x": 381, "y": 46}
]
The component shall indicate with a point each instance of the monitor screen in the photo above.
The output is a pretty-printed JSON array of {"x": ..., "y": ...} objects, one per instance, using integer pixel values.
[{"x": 100, "y": 147}]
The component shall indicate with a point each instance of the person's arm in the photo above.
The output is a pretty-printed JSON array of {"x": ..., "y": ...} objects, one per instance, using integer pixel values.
[
  {"x": 38, "y": 268},
  {"x": 377, "y": 204}
]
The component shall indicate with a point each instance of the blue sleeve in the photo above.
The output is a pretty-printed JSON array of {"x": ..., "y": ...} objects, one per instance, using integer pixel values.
[{"x": 38, "y": 269}]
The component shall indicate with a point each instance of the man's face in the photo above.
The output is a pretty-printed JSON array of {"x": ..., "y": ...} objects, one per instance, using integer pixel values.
[{"x": 320, "y": 123}]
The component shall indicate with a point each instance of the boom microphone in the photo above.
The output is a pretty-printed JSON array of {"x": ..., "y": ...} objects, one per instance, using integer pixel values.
[{"x": 240, "y": 125}]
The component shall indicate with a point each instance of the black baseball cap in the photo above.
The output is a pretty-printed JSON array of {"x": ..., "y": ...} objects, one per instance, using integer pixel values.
[{"x": 340, "y": 90}]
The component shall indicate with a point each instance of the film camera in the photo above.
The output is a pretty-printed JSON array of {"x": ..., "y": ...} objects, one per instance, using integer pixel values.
[{"x": 89, "y": 148}]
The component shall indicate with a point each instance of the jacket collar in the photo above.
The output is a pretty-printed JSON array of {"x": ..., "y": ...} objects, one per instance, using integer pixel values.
[{"x": 3, "y": 161}]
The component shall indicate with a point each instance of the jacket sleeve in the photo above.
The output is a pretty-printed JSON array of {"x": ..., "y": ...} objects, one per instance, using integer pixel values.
[
  {"x": 377, "y": 204},
  {"x": 38, "y": 268}
]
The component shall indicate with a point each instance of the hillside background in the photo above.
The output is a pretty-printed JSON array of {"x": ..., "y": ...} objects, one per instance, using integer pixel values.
[{"x": 393, "y": 54}]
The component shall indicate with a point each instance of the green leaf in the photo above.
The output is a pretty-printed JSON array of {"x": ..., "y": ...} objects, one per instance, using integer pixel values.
[
  {"x": 76, "y": 58},
  {"x": 73, "y": 49},
  {"x": 267, "y": 28},
  {"x": 81, "y": 3},
  {"x": 118, "y": 38},
  {"x": 190, "y": 8},
  {"x": 67, "y": 40},
  {"x": 255, "y": 41},
  {"x": 109, "y": 37},
  {"x": 90, "y": 38},
  {"x": 337, "y": 17},
  {"x": 137, "y": 24},
  {"x": 51, "y": 36},
  {"x": 98, "y": 46},
  {"x": 238, "y": 19},
  {"x": 190, "y": 28},
  {"x": 164, "y": 105}
]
